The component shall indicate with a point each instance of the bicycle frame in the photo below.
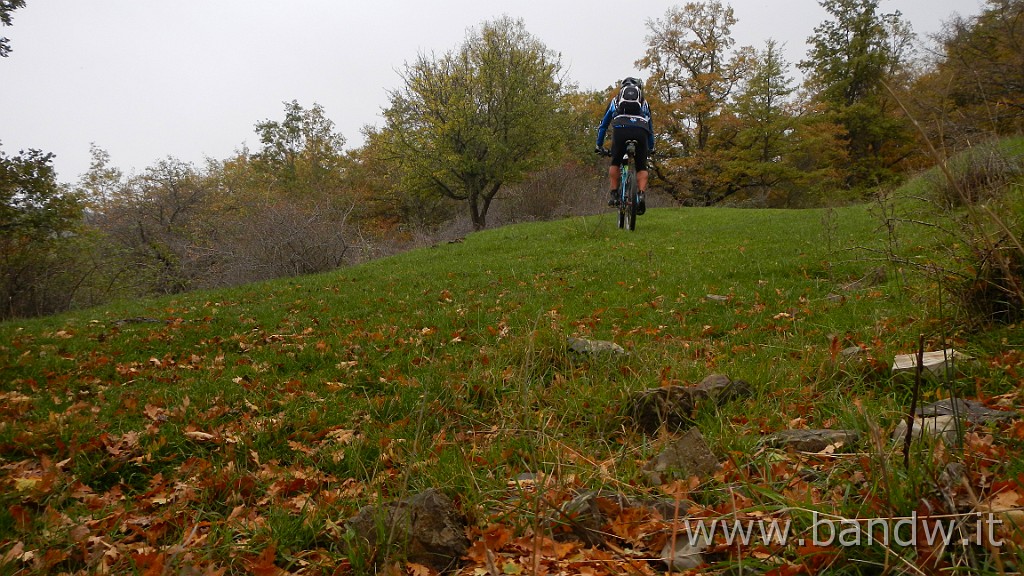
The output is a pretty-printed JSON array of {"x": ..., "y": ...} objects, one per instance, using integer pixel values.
[{"x": 628, "y": 189}]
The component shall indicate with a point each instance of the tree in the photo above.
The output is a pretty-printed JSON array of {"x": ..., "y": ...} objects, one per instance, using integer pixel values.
[
  {"x": 980, "y": 76},
  {"x": 693, "y": 73},
  {"x": 853, "y": 57},
  {"x": 6, "y": 7},
  {"x": 760, "y": 152},
  {"x": 38, "y": 221},
  {"x": 302, "y": 153},
  {"x": 469, "y": 122}
]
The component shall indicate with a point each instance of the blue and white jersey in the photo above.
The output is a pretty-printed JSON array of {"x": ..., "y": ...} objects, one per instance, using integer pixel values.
[{"x": 613, "y": 119}]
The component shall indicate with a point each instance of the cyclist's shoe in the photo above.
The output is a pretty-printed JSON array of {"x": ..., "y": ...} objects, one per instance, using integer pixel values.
[
  {"x": 641, "y": 203},
  {"x": 614, "y": 200}
]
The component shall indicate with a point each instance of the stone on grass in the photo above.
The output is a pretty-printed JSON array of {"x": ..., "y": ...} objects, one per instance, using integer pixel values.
[
  {"x": 810, "y": 440},
  {"x": 674, "y": 407},
  {"x": 584, "y": 517},
  {"x": 935, "y": 427},
  {"x": 687, "y": 456},
  {"x": 584, "y": 346},
  {"x": 425, "y": 528},
  {"x": 934, "y": 363},
  {"x": 687, "y": 553},
  {"x": 969, "y": 410}
]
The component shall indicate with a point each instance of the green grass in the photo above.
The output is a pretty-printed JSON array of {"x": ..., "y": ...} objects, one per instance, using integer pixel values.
[{"x": 229, "y": 421}]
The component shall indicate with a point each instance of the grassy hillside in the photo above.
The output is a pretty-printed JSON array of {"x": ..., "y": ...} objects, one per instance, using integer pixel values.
[{"x": 233, "y": 431}]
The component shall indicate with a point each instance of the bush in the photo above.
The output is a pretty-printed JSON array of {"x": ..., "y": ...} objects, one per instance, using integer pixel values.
[
  {"x": 975, "y": 207},
  {"x": 979, "y": 174}
]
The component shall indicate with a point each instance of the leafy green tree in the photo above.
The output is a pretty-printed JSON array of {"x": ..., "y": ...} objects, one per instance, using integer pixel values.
[
  {"x": 39, "y": 219},
  {"x": 303, "y": 153},
  {"x": 759, "y": 157},
  {"x": 852, "y": 59},
  {"x": 777, "y": 149},
  {"x": 475, "y": 119},
  {"x": 6, "y": 7},
  {"x": 694, "y": 71}
]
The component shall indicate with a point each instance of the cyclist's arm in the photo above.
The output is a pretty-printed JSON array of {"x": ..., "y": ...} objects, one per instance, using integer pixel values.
[
  {"x": 603, "y": 129},
  {"x": 650, "y": 123}
]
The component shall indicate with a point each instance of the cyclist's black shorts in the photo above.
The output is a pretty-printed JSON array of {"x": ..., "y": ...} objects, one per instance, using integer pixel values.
[{"x": 620, "y": 136}]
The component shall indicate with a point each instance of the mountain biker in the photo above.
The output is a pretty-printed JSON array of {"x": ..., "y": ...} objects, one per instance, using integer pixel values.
[{"x": 629, "y": 116}]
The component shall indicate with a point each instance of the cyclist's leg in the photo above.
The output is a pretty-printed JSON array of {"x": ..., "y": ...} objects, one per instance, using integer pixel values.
[
  {"x": 615, "y": 168},
  {"x": 642, "y": 154},
  {"x": 614, "y": 173}
]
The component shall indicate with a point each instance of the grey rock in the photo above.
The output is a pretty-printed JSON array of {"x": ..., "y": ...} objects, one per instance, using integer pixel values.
[
  {"x": 425, "y": 528},
  {"x": 583, "y": 518},
  {"x": 687, "y": 456},
  {"x": 674, "y": 406},
  {"x": 939, "y": 427},
  {"x": 687, "y": 553},
  {"x": 812, "y": 440},
  {"x": 970, "y": 410},
  {"x": 584, "y": 346}
]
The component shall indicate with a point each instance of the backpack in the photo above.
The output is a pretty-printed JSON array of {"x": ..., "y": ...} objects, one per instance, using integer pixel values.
[{"x": 630, "y": 100}]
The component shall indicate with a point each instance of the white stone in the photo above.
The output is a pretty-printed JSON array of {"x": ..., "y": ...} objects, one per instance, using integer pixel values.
[
  {"x": 942, "y": 427},
  {"x": 935, "y": 362}
]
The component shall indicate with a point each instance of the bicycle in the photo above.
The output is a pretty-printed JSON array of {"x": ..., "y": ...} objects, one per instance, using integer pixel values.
[{"x": 629, "y": 194}]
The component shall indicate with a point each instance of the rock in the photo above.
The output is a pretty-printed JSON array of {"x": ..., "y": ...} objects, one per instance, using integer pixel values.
[
  {"x": 584, "y": 517},
  {"x": 687, "y": 554},
  {"x": 969, "y": 410},
  {"x": 935, "y": 363},
  {"x": 872, "y": 278},
  {"x": 675, "y": 406},
  {"x": 940, "y": 427},
  {"x": 938, "y": 419},
  {"x": 583, "y": 346},
  {"x": 688, "y": 456},
  {"x": 812, "y": 440},
  {"x": 425, "y": 528},
  {"x": 720, "y": 389},
  {"x": 851, "y": 352},
  {"x": 671, "y": 406}
]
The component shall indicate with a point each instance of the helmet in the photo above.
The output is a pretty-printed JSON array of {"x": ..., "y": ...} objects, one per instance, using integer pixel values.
[{"x": 630, "y": 80}]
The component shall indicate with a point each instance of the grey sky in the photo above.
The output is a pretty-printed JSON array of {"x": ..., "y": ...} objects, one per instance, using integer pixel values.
[{"x": 145, "y": 80}]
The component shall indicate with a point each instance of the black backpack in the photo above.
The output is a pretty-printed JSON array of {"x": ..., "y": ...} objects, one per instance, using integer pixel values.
[{"x": 630, "y": 100}]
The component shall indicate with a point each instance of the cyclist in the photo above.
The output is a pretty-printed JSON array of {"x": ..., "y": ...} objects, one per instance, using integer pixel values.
[{"x": 629, "y": 116}]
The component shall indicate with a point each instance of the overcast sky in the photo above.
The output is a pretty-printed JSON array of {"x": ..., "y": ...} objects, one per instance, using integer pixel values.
[{"x": 146, "y": 80}]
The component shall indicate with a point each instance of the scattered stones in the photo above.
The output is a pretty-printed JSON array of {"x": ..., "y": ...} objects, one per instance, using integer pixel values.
[
  {"x": 935, "y": 362},
  {"x": 425, "y": 528},
  {"x": 809, "y": 440},
  {"x": 685, "y": 457},
  {"x": 675, "y": 406},
  {"x": 584, "y": 346}
]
